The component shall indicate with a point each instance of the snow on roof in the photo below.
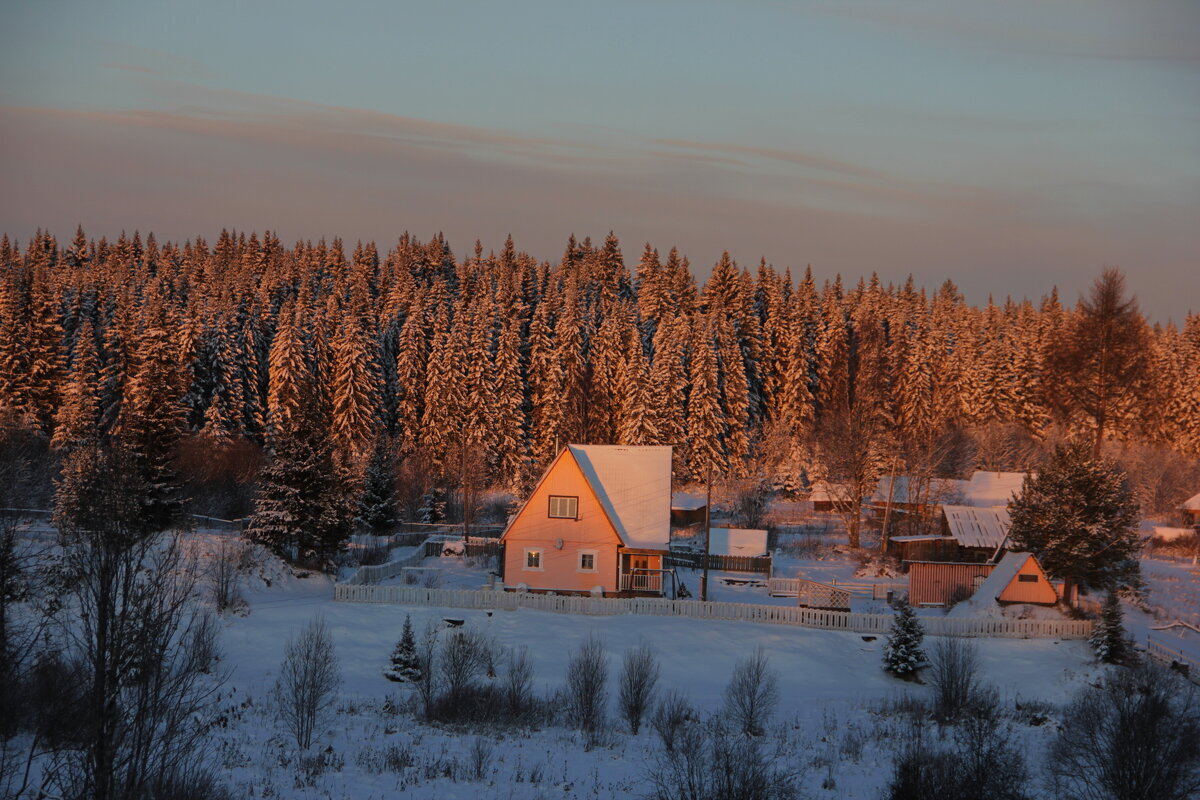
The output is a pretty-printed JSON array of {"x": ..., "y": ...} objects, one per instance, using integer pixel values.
[
  {"x": 682, "y": 501},
  {"x": 737, "y": 542},
  {"x": 986, "y": 489},
  {"x": 1191, "y": 504},
  {"x": 933, "y": 491},
  {"x": 1164, "y": 534},
  {"x": 997, "y": 580},
  {"x": 977, "y": 527},
  {"x": 633, "y": 484},
  {"x": 826, "y": 492}
]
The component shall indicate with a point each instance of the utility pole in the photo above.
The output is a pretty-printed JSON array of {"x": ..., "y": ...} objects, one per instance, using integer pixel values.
[
  {"x": 707, "y": 533},
  {"x": 887, "y": 510}
]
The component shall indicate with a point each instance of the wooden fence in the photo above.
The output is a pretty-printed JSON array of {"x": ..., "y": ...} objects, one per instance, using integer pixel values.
[
  {"x": 790, "y": 587},
  {"x": 1167, "y": 649},
  {"x": 359, "y": 592},
  {"x": 683, "y": 558}
]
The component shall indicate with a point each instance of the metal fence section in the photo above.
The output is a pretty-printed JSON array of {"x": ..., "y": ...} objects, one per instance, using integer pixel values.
[
  {"x": 683, "y": 558},
  {"x": 360, "y": 592}
]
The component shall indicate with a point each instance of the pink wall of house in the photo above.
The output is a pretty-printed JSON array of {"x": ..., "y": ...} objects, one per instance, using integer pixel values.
[{"x": 534, "y": 529}]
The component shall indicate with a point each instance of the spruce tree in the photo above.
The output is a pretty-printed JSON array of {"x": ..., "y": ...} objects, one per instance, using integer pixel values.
[
  {"x": 1108, "y": 637},
  {"x": 405, "y": 666},
  {"x": 902, "y": 654},
  {"x": 1079, "y": 517},
  {"x": 377, "y": 506}
]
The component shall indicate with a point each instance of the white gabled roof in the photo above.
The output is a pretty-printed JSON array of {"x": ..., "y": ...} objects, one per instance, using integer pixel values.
[
  {"x": 737, "y": 542},
  {"x": 633, "y": 484},
  {"x": 1191, "y": 504},
  {"x": 986, "y": 489},
  {"x": 682, "y": 501},
  {"x": 998, "y": 579},
  {"x": 977, "y": 527}
]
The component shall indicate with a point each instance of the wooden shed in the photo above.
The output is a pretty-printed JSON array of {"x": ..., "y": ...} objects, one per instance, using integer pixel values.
[
  {"x": 1018, "y": 578},
  {"x": 1189, "y": 512},
  {"x": 939, "y": 583}
]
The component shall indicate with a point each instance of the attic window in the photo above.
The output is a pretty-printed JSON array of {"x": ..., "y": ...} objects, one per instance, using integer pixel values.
[
  {"x": 1027, "y": 578},
  {"x": 564, "y": 507}
]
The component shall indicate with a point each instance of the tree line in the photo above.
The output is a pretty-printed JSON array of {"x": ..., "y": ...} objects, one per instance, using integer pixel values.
[{"x": 232, "y": 368}]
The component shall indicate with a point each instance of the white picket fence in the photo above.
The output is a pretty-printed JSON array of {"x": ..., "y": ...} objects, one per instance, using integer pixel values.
[
  {"x": 381, "y": 572},
  {"x": 361, "y": 592},
  {"x": 1168, "y": 650}
]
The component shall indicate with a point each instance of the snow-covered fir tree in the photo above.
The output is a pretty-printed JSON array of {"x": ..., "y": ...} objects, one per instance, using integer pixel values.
[
  {"x": 1108, "y": 636},
  {"x": 377, "y": 505},
  {"x": 902, "y": 653},
  {"x": 405, "y": 664}
]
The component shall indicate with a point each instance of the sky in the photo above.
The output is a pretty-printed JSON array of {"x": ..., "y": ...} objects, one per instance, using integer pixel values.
[{"x": 1010, "y": 147}]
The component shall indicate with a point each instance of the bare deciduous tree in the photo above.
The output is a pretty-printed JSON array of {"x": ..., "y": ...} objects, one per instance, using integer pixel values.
[
  {"x": 1135, "y": 735},
  {"x": 309, "y": 678},
  {"x": 518, "y": 681},
  {"x": 670, "y": 716},
  {"x": 752, "y": 693},
  {"x": 463, "y": 658},
  {"x": 954, "y": 675},
  {"x": 639, "y": 676}
]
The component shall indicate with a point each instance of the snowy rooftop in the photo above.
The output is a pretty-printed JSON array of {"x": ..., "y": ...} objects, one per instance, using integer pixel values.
[
  {"x": 825, "y": 492},
  {"x": 1192, "y": 503},
  {"x": 737, "y": 542},
  {"x": 993, "y": 585},
  {"x": 932, "y": 491},
  {"x": 992, "y": 488},
  {"x": 633, "y": 485},
  {"x": 977, "y": 527},
  {"x": 682, "y": 501}
]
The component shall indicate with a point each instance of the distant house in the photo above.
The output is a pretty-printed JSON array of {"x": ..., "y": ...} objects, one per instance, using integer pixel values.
[
  {"x": 747, "y": 542},
  {"x": 598, "y": 522},
  {"x": 687, "y": 509},
  {"x": 908, "y": 494},
  {"x": 829, "y": 497},
  {"x": 968, "y": 534},
  {"x": 1189, "y": 512},
  {"x": 1017, "y": 578}
]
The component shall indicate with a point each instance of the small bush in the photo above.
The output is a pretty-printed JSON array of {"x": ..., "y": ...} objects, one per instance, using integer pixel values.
[
  {"x": 671, "y": 714},
  {"x": 308, "y": 681},
  {"x": 481, "y": 758},
  {"x": 708, "y": 763},
  {"x": 979, "y": 764},
  {"x": 517, "y": 685},
  {"x": 751, "y": 694},
  {"x": 954, "y": 675},
  {"x": 639, "y": 676},
  {"x": 586, "y": 693}
]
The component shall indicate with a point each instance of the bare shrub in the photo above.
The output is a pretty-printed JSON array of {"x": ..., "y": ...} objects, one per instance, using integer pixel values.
[
  {"x": 710, "y": 764},
  {"x": 223, "y": 577},
  {"x": 954, "y": 675},
  {"x": 308, "y": 681},
  {"x": 481, "y": 758},
  {"x": 427, "y": 654},
  {"x": 586, "y": 692},
  {"x": 518, "y": 682},
  {"x": 1135, "y": 735},
  {"x": 980, "y": 763},
  {"x": 752, "y": 693},
  {"x": 670, "y": 716},
  {"x": 750, "y": 503},
  {"x": 463, "y": 658},
  {"x": 639, "y": 676}
]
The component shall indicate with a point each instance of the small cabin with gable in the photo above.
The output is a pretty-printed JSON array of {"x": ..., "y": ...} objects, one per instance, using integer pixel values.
[{"x": 598, "y": 522}]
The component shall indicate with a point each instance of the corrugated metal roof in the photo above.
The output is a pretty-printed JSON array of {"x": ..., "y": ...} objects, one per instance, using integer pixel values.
[
  {"x": 634, "y": 486},
  {"x": 977, "y": 527}
]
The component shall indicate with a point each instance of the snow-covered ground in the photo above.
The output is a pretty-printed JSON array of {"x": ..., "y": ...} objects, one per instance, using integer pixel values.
[{"x": 830, "y": 717}]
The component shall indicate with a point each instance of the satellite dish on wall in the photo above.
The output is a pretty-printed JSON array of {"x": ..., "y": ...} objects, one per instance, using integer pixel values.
[{"x": 558, "y": 544}]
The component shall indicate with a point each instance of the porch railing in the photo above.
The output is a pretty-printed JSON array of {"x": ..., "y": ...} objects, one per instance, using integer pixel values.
[{"x": 643, "y": 580}]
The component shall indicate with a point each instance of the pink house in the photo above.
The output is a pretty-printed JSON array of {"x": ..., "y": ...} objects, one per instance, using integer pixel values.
[{"x": 598, "y": 522}]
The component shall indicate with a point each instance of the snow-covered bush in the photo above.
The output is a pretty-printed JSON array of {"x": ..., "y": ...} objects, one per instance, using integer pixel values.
[
  {"x": 405, "y": 666},
  {"x": 751, "y": 694},
  {"x": 902, "y": 654}
]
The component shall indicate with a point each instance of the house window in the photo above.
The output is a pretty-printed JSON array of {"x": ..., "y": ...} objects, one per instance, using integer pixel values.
[
  {"x": 533, "y": 559},
  {"x": 564, "y": 507},
  {"x": 1027, "y": 578},
  {"x": 587, "y": 561}
]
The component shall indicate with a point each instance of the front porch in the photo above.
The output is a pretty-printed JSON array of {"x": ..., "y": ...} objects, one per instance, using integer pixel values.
[{"x": 642, "y": 573}]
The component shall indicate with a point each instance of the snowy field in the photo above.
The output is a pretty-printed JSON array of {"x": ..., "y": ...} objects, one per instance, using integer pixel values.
[{"x": 830, "y": 723}]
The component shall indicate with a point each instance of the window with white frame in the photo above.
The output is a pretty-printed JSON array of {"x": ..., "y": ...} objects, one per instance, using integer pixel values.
[
  {"x": 587, "y": 561},
  {"x": 533, "y": 559},
  {"x": 564, "y": 507}
]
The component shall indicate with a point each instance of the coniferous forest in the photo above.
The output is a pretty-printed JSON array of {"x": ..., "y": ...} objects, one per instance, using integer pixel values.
[{"x": 308, "y": 385}]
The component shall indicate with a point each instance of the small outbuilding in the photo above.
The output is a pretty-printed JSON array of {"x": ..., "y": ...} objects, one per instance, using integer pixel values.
[
  {"x": 687, "y": 510},
  {"x": 1018, "y": 578},
  {"x": 942, "y": 583},
  {"x": 1189, "y": 512},
  {"x": 746, "y": 542}
]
